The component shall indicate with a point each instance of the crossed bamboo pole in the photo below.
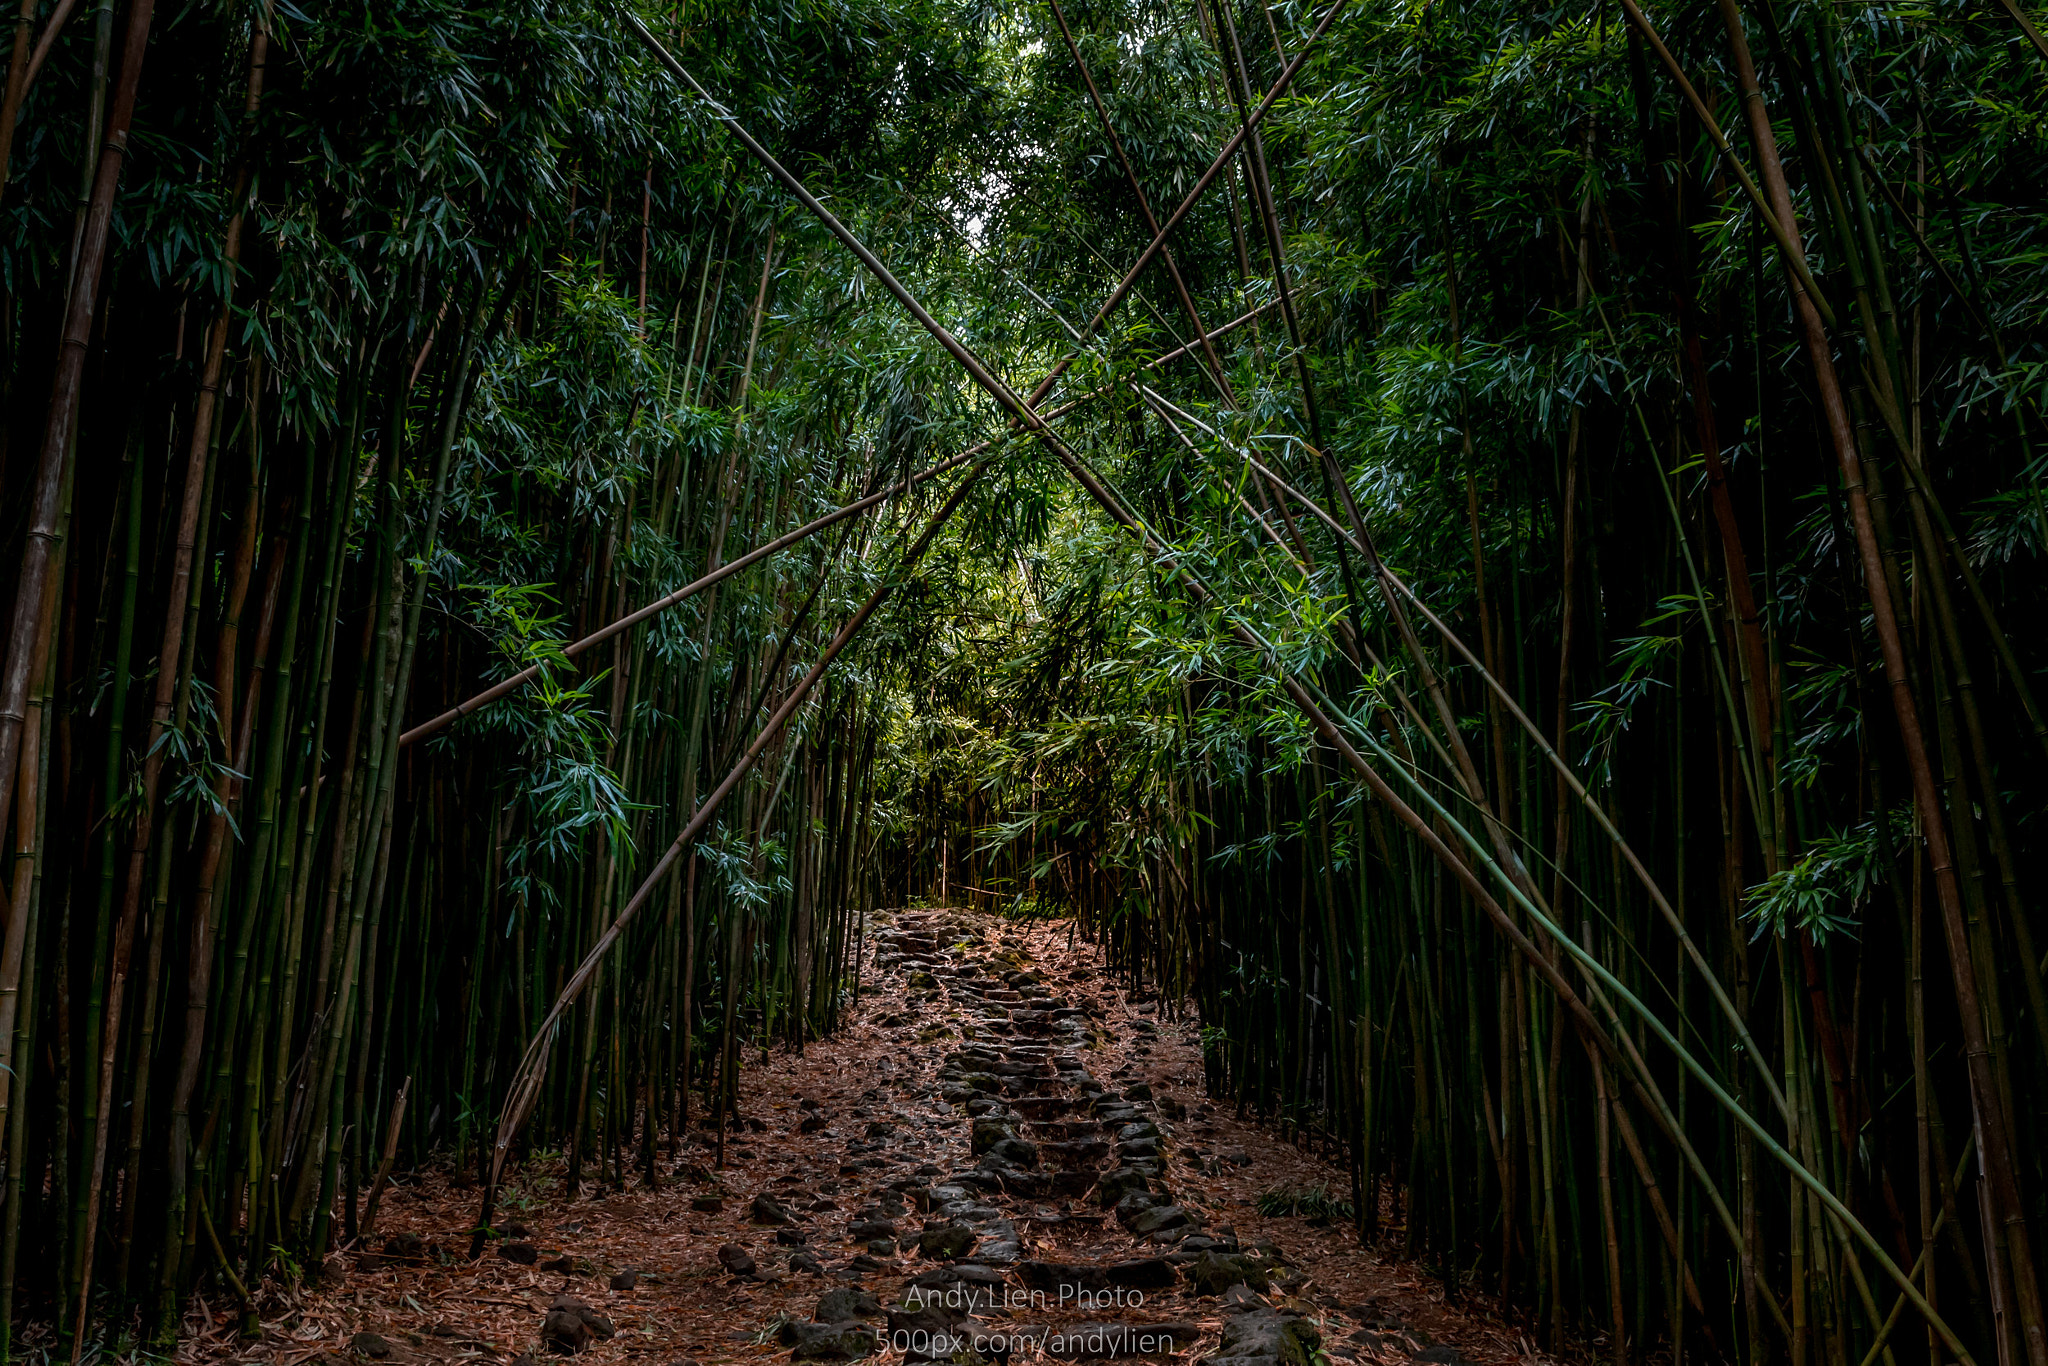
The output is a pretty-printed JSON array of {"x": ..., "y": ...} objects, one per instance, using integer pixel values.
[
  {"x": 508, "y": 686},
  {"x": 532, "y": 1071}
]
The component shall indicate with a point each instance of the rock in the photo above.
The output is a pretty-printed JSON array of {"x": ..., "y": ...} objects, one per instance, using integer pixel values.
[
  {"x": 1212, "y": 1274},
  {"x": 1005, "y": 1249},
  {"x": 1267, "y": 1336},
  {"x": 1113, "y": 1186},
  {"x": 767, "y": 1210},
  {"x": 847, "y": 1302},
  {"x": 1159, "y": 1219},
  {"x": 1142, "y": 1091},
  {"x": 868, "y": 1229},
  {"x": 949, "y": 1242},
  {"x": 807, "y": 1264},
  {"x": 1020, "y": 1151},
  {"x": 566, "y": 1338},
  {"x": 1142, "y": 1273},
  {"x": 828, "y": 1341},
  {"x": 523, "y": 1253},
  {"x": 988, "y": 1132},
  {"x": 789, "y": 1237},
  {"x": 625, "y": 1280},
  {"x": 565, "y": 1332},
  {"x": 736, "y": 1259},
  {"x": 1136, "y": 1203},
  {"x": 370, "y": 1345}
]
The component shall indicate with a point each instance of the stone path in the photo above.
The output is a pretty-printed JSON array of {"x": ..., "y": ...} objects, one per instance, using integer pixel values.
[
  {"x": 1061, "y": 1207},
  {"x": 1003, "y": 1157}
]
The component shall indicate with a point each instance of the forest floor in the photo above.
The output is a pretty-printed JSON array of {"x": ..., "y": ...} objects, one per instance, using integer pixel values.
[{"x": 930, "y": 1179}]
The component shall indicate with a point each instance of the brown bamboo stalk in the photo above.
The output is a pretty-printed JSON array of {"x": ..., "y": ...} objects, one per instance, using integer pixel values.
[
  {"x": 384, "y": 1165},
  {"x": 646, "y": 211},
  {"x": 17, "y": 81},
  {"x": 2025, "y": 26},
  {"x": 66, "y": 389},
  {"x": 22, "y": 66},
  {"x": 26, "y": 859},
  {"x": 1604, "y": 1179}
]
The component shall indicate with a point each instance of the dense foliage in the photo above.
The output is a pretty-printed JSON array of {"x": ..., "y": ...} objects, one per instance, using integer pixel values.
[{"x": 1517, "y": 619}]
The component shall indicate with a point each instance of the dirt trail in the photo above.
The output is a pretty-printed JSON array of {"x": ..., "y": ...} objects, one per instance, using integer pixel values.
[{"x": 1001, "y": 1153}]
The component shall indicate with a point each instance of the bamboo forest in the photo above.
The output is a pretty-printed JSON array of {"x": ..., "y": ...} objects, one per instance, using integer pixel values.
[{"x": 1317, "y": 683}]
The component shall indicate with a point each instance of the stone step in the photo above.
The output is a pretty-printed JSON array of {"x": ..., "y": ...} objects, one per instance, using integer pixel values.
[
  {"x": 1075, "y": 1154},
  {"x": 1262, "y": 1337}
]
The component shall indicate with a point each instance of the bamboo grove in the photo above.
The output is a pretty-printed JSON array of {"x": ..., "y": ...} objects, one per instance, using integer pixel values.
[{"x": 1488, "y": 552}]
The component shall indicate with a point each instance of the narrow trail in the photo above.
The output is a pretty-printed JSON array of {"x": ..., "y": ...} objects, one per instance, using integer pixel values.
[{"x": 1004, "y": 1152}]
